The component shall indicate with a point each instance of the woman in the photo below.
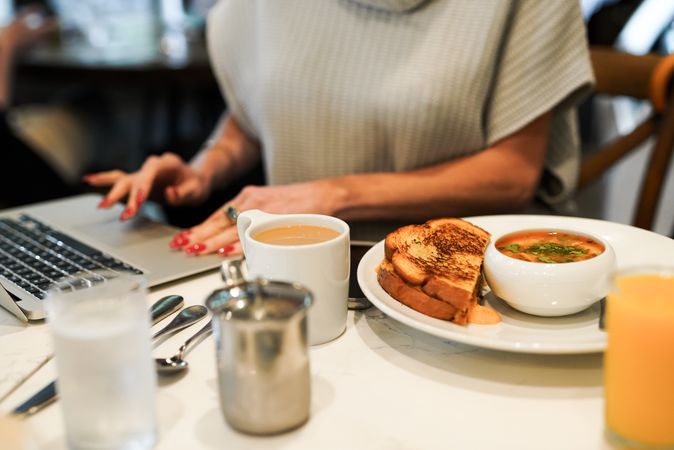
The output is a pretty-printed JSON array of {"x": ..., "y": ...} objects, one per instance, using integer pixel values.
[{"x": 381, "y": 111}]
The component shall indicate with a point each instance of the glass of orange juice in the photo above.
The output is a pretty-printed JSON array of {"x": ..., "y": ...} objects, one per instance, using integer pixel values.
[{"x": 639, "y": 359}]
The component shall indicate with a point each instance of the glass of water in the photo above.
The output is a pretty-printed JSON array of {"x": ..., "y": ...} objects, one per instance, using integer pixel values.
[{"x": 106, "y": 380}]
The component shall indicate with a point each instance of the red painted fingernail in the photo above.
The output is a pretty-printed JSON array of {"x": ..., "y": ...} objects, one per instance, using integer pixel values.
[
  {"x": 104, "y": 203},
  {"x": 126, "y": 214},
  {"x": 182, "y": 234},
  {"x": 196, "y": 248},
  {"x": 226, "y": 250},
  {"x": 140, "y": 198},
  {"x": 178, "y": 242},
  {"x": 173, "y": 191},
  {"x": 87, "y": 177}
]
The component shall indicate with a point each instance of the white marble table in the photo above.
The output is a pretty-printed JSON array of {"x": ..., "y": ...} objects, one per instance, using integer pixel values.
[{"x": 381, "y": 385}]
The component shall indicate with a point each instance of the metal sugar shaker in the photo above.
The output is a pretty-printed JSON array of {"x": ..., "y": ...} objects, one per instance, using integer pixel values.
[{"x": 260, "y": 330}]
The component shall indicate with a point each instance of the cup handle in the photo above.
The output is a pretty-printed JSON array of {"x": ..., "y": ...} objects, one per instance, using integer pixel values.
[{"x": 246, "y": 219}]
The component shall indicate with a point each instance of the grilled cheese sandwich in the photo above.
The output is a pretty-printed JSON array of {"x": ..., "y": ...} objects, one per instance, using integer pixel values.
[{"x": 436, "y": 269}]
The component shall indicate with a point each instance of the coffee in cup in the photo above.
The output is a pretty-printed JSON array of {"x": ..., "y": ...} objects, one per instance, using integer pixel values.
[{"x": 296, "y": 235}]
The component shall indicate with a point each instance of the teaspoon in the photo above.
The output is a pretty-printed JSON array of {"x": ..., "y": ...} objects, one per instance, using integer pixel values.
[
  {"x": 185, "y": 318},
  {"x": 176, "y": 363},
  {"x": 164, "y": 307}
]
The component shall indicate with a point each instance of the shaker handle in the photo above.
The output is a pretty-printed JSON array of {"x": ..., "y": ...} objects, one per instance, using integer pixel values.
[{"x": 233, "y": 271}]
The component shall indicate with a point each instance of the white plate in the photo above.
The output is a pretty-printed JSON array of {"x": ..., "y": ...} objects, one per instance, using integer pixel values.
[{"x": 519, "y": 332}]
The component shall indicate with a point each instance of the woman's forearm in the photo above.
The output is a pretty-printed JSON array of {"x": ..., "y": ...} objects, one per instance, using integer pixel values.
[
  {"x": 228, "y": 154},
  {"x": 501, "y": 178}
]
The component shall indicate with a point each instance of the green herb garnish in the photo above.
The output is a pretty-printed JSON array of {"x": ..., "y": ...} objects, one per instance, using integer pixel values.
[
  {"x": 553, "y": 248},
  {"x": 515, "y": 248}
]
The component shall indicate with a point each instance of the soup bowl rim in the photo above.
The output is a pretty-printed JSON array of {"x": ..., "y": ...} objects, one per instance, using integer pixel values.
[{"x": 548, "y": 266}]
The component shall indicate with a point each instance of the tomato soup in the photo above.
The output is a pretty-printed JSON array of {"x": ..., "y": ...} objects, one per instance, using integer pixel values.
[{"x": 549, "y": 246}]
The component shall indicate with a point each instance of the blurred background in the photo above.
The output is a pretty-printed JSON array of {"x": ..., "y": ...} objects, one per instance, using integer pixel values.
[
  {"x": 120, "y": 80},
  {"x": 637, "y": 27},
  {"x": 123, "y": 79},
  {"x": 134, "y": 71}
]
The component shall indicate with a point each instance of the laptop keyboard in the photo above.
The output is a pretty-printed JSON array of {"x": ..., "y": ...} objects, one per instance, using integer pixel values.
[{"x": 33, "y": 256}]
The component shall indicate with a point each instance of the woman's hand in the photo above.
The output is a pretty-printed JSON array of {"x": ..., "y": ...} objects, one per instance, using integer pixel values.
[
  {"x": 218, "y": 233},
  {"x": 166, "y": 177}
]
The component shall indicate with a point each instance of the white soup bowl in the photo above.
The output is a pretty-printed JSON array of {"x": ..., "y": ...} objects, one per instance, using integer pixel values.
[{"x": 549, "y": 289}]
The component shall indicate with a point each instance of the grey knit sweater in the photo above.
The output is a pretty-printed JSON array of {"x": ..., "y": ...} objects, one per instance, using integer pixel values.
[{"x": 333, "y": 87}]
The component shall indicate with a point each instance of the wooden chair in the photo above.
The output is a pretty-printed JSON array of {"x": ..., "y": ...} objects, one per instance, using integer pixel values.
[{"x": 647, "y": 77}]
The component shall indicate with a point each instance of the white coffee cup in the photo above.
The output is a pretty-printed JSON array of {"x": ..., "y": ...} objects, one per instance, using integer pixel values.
[{"x": 322, "y": 267}]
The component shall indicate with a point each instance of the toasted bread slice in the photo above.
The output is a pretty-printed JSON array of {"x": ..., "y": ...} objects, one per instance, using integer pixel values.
[
  {"x": 439, "y": 261},
  {"x": 412, "y": 296}
]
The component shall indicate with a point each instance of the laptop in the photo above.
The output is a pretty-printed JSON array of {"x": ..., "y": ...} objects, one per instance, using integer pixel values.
[{"x": 65, "y": 238}]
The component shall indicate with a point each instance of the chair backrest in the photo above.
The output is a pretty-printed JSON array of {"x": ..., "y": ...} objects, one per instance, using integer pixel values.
[{"x": 646, "y": 77}]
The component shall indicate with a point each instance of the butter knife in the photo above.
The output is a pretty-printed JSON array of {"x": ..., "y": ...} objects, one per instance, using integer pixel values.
[{"x": 48, "y": 395}]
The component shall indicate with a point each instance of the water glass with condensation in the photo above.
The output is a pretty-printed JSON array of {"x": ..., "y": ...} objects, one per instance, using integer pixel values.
[
  {"x": 106, "y": 380},
  {"x": 639, "y": 359}
]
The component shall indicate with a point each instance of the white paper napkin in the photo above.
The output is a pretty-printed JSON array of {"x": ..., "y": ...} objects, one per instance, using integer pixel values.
[{"x": 25, "y": 348}]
